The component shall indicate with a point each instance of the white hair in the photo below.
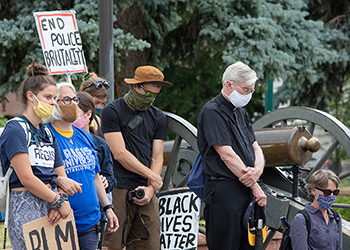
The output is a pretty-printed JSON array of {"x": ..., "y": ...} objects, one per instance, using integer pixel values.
[
  {"x": 56, "y": 113},
  {"x": 239, "y": 72}
]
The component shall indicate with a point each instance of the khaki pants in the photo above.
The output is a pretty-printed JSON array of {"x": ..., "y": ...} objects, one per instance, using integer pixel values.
[{"x": 134, "y": 229}]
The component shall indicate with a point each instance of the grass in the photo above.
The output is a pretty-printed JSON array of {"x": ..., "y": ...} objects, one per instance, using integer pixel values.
[{"x": 8, "y": 244}]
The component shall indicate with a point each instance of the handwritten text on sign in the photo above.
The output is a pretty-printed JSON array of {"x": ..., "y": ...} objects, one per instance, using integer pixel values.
[
  {"x": 60, "y": 41},
  {"x": 40, "y": 234},
  {"x": 179, "y": 216}
]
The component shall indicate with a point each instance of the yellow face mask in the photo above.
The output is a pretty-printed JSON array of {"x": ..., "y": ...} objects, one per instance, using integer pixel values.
[{"x": 43, "y": 110}]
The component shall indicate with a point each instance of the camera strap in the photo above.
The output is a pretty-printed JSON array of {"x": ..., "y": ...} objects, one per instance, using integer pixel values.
[{"x": 126, "y": 223}]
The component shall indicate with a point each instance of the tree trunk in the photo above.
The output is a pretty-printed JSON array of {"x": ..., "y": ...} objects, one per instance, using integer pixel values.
[{"x": 131, "y": 21}]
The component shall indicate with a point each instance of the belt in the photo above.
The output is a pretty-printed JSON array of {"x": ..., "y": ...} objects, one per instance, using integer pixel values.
[
  {"x": 213, "y": 178},
  {"x": 25, "y": 189}
]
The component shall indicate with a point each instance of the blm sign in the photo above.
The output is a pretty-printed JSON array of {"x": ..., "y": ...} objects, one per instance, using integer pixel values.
[
  {"x": 40, "y": 234},
  {"x": 61, "y": 42},
  {"x": 179, "y": 217}
]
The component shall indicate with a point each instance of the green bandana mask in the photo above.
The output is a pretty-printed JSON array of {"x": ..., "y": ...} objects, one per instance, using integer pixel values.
[{"x": 136, "y": 101}]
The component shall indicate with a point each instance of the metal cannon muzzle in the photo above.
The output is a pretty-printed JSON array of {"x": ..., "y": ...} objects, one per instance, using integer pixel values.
[{"x": 286, "y": 146}]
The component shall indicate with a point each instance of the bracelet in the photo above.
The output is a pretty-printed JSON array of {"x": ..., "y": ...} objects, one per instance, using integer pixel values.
[
  {"x": 108, "y": 207},
  {"x": 58, "y": 203},
  {"x": 55, "y": 199}
]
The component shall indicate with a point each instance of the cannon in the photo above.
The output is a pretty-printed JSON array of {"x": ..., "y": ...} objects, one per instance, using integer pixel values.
[{"x": 288, "y": 138}]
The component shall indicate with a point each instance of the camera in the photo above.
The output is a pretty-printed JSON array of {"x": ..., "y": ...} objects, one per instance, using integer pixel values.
[{"x": 139, "y": 194}]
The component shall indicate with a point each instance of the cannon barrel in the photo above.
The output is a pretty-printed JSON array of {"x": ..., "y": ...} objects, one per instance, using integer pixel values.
[{"x": 286, "y": 146}]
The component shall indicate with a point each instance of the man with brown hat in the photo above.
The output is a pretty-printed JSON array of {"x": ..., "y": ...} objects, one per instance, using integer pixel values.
[{"x": 135, "y": 131}]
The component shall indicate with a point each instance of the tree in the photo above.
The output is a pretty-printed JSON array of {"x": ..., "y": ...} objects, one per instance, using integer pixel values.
[
  {"x": 19, "y": 42},
  {"x": 191, "y": 41}
]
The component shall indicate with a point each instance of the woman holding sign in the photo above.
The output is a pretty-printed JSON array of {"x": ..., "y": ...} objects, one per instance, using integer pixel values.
[
  {"x": 80, "y": 163},
  {"x": 29, "y": 147}
]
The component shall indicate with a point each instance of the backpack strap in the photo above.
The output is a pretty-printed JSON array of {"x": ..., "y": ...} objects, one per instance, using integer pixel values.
[
  {"x": 25, "y": 127},
  {"x": 307, "y": 221},
  {"x": 336, "y": 215},
  {"x": 7, "y": 176},
  {"x": 48, "y": 133}
]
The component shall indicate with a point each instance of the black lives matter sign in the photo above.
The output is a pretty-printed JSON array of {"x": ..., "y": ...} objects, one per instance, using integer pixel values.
[
  {"x": 179, "y": 215},
  {"x": 41, "y": 235},
  {"x": 61, "y": 42}
]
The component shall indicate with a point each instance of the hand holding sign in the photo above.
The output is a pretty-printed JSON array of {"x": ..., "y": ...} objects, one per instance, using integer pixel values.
[
  {"x": 60, "y": 41},
  {"x": 40, "y": 234}
]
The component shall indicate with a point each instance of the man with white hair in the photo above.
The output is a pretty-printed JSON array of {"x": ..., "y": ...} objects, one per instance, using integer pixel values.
[{"x": 231, "y": 158}]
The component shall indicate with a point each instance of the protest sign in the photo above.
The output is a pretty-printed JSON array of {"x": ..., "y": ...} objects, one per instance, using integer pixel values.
[
  {"x": 40, "y": 234},
  {"x": 179, "y": 217},
  {"x": 60, "y": 41}
]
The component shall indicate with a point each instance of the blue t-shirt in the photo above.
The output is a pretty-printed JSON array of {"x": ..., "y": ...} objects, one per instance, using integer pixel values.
[
  {"x": 81, "y": 165},
  {"x": 43, "y": 158}
]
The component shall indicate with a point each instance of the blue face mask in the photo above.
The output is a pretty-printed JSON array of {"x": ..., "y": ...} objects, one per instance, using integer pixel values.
[
  {"x": 98, "y": 110},
  {"x": 325, "y": 201}
]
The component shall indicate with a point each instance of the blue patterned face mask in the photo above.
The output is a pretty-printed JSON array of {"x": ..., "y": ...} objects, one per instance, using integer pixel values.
[{"x": 325, "y": 201}]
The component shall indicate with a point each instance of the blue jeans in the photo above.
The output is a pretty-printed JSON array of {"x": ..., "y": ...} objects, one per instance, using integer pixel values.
[{"x": 88, "y": 239}]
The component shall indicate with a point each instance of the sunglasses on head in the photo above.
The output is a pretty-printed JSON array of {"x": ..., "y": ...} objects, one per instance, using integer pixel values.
[
  {"x": 98, "y": 85},
  {"x": 328, "y": 192}
]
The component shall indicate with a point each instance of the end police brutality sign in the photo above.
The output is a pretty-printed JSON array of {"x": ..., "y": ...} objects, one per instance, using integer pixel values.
[{"x": 60, "y": 41}]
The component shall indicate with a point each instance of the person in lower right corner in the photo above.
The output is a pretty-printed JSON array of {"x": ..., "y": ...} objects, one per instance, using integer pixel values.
[{"x": 325, "y": 230}]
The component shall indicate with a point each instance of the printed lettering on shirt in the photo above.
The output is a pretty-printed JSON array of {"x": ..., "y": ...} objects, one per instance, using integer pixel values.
[
  {"x": 78, "y": 159},
  {"x": 41, "y": 156}
]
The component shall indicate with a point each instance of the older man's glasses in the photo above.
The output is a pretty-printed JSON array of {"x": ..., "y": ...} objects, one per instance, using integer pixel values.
[
  {"x": 98, "y": 85},
  {"x": 245, "y": 90},
  {"x": 67, "y": 100},
  {"x": 328, "y": 192},
  {"x": 149, "y": 93}
]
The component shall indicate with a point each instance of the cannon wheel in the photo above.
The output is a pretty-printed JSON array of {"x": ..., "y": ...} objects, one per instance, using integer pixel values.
[
  {"x": 184, "y": 131},
  {"x": 291, "y": 116}
]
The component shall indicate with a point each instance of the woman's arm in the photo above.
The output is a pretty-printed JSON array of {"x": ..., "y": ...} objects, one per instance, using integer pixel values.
[
  {"x": 298, "y": 233},
  {"x": 101, "y": 194},
  {"x": 66, "y": 184},
  {"x": 21, "y": 165}
]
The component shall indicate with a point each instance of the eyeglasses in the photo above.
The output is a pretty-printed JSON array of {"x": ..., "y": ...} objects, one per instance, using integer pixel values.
[
  {"x": 149, "y": 93},
  {"x": 67, "y": 100},
  {"x": 328, "y": 192},
  {"x": 246, "y": 90},
  {"x": 98, "y": 85}
]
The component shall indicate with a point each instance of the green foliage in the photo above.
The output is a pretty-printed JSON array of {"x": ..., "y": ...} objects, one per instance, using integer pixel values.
[
  {"x": 345, "y": 213},
  {"x": 19, "y": 41},
  {"x": 194, "y": 41},
  {"x": 8, "y": 243},
  {"x": 3, "y": 121}
]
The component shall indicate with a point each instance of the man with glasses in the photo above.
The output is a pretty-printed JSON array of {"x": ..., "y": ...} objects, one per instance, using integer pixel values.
[
  {"x": 135, "y": 131},
  {"x": 231, "y": 158}
]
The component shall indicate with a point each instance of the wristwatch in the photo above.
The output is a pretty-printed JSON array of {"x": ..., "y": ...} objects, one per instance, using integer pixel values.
[{"x": 108, "y": 207}]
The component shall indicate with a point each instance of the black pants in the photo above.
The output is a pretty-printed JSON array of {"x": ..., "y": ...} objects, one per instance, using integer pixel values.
[{"x": 225, "y": 204}]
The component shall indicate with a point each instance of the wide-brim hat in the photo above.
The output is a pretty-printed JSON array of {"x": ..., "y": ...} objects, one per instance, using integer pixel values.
[
  {"x": 250, "y": 220},
  {"x": 148, "y": 74}
]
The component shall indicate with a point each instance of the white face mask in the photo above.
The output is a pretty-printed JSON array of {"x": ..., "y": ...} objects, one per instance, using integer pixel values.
[{"x": 238, "y": 99}]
